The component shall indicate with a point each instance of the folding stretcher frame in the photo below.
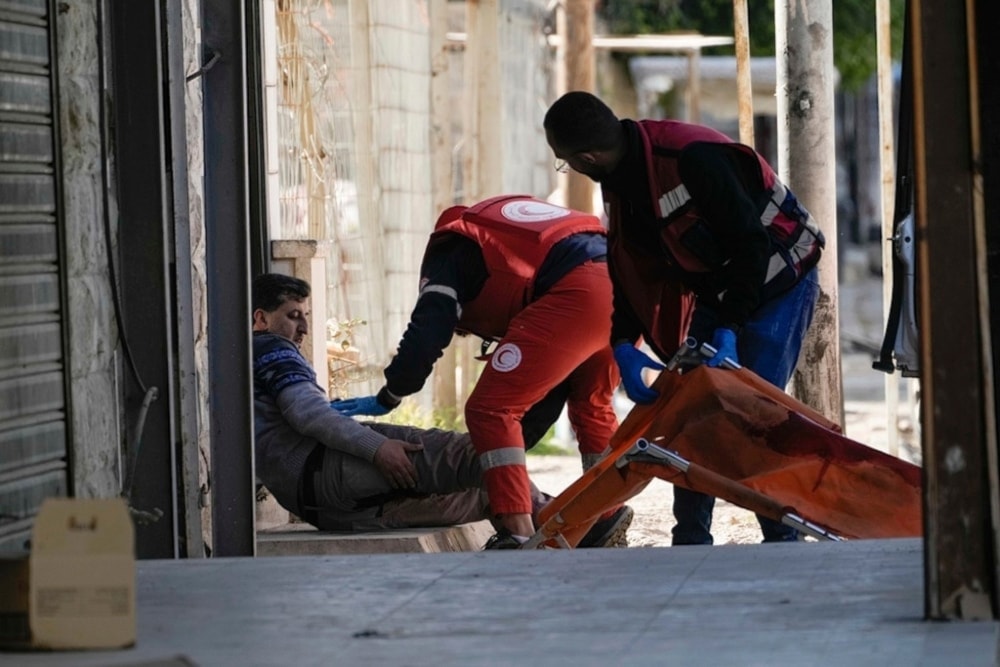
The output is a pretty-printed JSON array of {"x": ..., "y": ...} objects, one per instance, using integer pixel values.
[{"x": 728, "y": 433}]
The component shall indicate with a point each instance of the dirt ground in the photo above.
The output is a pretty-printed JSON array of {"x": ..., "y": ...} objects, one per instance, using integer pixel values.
[{"x": 653, "y": 520}]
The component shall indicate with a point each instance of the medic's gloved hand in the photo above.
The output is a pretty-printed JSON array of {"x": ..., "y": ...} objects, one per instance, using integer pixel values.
[
  {"x": 365, "y": 405},
  {"x": 630, "y": 362},
  {"x": 724, "y": 341}
]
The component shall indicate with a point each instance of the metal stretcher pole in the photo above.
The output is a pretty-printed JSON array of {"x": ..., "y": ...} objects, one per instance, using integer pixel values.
[
  {"x": 690, "y": 354},
  {"x": 686, "y": 355},
  {"x": 646, "y": 456}
]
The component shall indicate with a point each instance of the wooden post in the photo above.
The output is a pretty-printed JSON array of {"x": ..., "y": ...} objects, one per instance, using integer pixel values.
[
  {"x": 580, "y": 76},
  {"x": 804, "y": 35},
  {"x": 956, "y": 356},
  {"x": 883, "y": 36},
  {"x": 744, "y": 88},
  {"x": 694, "y": 86},
  {"x": 483, "y": 45},
  {"x": 470, "y": 94},
  {"x": 441, "y": 178}
]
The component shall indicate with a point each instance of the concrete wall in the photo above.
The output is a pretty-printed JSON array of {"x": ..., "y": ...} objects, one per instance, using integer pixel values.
[
  {"x": 196, "y": 217},
  {"x": 400, "y": 71},
  {"x": 93, "y": 359},
  {"x": 527, "y": 81}
]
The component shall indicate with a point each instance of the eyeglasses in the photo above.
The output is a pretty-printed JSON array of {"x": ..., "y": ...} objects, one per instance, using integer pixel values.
[{"x": 562, "y": 166}]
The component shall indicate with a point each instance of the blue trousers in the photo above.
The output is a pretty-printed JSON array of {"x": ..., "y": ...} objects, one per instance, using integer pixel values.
[{"x": 769, "y": 345}]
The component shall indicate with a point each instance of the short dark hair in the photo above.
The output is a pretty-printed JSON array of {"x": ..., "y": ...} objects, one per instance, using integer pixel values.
[
  {"x": 579, "y": 121},
  {"x": 270, "y": 290}
]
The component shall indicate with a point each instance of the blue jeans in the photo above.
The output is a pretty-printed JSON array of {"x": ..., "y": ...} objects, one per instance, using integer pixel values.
[{"x": 769, "y": 345}]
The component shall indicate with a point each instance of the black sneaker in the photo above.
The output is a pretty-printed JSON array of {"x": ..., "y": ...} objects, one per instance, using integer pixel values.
[
  {"x": 610, "y": 532},
  {"x": 502, "y": 540}
]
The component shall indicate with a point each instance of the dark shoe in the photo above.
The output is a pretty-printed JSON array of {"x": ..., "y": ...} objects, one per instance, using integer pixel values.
[
  {"x": 501, "y": 540},
  {"x": 609, "y": 532}
]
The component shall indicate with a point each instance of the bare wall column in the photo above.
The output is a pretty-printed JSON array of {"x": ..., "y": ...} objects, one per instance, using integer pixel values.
[
  {"x": 93, "y": 369},
  {"x": 306, "y": 260},
  {"x": 191, "y": 15}
]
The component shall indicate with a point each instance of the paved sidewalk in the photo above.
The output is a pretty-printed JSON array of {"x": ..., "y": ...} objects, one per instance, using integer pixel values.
[
  {"x": 825, "y": 604},
  {"x": 301, "y": 539}
]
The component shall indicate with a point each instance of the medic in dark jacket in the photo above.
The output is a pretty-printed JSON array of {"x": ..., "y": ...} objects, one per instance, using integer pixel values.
[
  {"x": 742, "y": 241},
  {"x": 532, "y": 277},
  {"x": 703, "y": 240}
]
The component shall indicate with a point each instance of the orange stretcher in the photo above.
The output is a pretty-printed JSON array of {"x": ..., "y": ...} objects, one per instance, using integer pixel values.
[{"x": 731, "y": 434}]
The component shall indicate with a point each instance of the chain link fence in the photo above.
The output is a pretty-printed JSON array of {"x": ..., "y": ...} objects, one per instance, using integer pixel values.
[{"x": 353, "y": 124}]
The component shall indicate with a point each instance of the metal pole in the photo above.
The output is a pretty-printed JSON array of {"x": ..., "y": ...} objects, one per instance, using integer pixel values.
[
  {"x": 145, "y": 210},
  {"x": 227, "y": 258},
  {"x": 193, "y": 544},
  {"x": 804, "y": 34}
]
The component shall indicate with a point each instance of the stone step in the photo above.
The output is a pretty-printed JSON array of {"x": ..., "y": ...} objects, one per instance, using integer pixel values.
[{"x": 302, "y": 539}]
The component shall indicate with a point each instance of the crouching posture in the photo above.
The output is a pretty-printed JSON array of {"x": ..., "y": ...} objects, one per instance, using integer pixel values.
[{"x": 531, "y": 277}]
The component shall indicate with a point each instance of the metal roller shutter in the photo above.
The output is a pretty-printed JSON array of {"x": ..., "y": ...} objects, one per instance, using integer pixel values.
[{"x": 33, "y": 437}]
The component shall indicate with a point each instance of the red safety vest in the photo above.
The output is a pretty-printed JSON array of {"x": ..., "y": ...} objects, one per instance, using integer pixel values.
[
  {"x": 515, "y": 233},
  {"x": 661, "y": 304},
  {"x": 796, "y": 239}
]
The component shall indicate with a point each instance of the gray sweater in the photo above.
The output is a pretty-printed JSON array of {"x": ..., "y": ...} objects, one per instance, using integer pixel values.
[{"x": 292, "y": 415}]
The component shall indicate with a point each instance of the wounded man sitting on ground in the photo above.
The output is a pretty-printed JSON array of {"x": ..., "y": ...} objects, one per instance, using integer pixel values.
[{"x": 334, "y": 472}]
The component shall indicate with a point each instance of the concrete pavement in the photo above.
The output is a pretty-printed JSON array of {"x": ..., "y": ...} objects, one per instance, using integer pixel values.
[{"x": 825, "y": 604}]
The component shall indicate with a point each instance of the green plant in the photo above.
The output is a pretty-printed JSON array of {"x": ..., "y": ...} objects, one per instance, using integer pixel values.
[
  {"x": 853, "y": 28},
  {"x": 411, "y": 414},
  {"x": 341, "y": 332},
  {"x": 549, "y": 448},
  {"x": 451, "y": 419}
]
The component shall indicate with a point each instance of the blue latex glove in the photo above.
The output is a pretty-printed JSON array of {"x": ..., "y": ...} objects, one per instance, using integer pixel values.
[
  {"x": 630, "y": 362},
  {"x": 724, "y": 342},
  {"x": 364, "y": 405}
]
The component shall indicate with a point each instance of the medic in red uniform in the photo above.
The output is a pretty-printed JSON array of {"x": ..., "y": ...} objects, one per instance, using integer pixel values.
[{"x": 532, "y": 277}]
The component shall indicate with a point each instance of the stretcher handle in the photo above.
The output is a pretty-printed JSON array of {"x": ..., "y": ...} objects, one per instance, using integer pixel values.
[
  {"x": 690, "y": 354},
  {"x": 704, "y": 480}
]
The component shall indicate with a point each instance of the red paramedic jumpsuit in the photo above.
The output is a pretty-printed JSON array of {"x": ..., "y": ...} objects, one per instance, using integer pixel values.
[{"x": 562, "y": 334}]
